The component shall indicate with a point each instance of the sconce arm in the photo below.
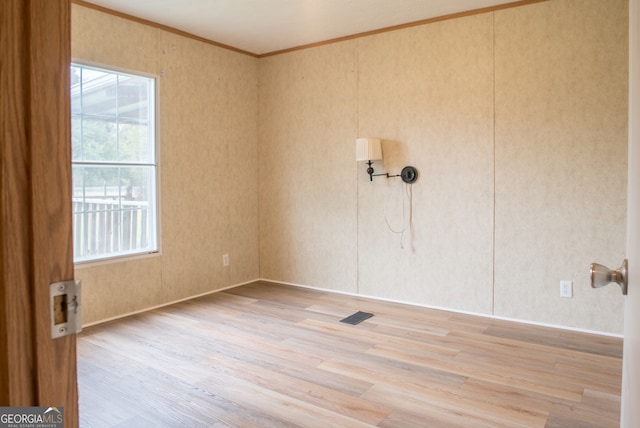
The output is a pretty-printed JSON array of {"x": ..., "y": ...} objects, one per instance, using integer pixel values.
[{"x": 409, "y": 174}]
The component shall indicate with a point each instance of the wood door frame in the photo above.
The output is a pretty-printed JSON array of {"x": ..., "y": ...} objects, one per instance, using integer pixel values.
[
  {"x": 35, "y": 185},
  {"x": 630, "y": 412}
]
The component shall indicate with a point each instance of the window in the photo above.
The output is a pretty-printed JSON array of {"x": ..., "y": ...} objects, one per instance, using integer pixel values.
[{"x": 114, "y": 163}]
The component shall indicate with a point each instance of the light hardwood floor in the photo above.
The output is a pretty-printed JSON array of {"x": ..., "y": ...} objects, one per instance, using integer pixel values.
[{"x": 270, "y": 355}]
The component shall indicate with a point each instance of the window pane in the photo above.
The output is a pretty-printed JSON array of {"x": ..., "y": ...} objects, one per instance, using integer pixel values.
[
  {"x": 136, "y": 183},
  {"x": 99, "y": 93},
  {"x": 76, "y": 137},
  {"x": 99, "y": 140},
  {"x": 96, "y": 195},
  {"x": 79, "y": 247},
  {"x": 134, "y": 144},
  {"x": 101, "y": 182},
  {"x": 76, "y": 89},
  {"x": 133, "y": 98}
]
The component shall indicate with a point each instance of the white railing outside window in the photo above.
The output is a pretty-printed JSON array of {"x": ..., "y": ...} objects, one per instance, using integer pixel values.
[{"x": 105, "y": 227}]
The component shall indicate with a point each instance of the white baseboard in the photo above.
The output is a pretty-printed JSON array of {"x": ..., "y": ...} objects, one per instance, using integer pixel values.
[
  {"x": 140, "y": 311},
  {"x": 580, "y": 330},
  {"x": 495, "y": 317}
]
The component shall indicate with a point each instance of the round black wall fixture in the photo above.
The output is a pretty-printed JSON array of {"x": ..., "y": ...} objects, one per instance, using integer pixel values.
[{"x": 409, "y": 174}]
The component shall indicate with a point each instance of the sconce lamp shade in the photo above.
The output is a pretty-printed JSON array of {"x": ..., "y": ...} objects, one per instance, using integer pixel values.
[{"x": 368, "y": 149}]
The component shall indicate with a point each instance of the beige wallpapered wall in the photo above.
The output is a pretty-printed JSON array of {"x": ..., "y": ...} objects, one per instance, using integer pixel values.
[
  {"x": 561, "y": 159},
  {"x": 514, "y": 120},
  {"x": 428, "y": 92},
  {"x": 208, "y": 165},
  {"x": 308, "y": 198}
]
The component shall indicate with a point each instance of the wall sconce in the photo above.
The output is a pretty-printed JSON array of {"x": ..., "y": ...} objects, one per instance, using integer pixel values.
[{"x": 370, "y": 149}]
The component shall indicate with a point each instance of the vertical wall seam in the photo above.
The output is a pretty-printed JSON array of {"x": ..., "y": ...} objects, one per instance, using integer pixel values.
[
  {"x": 357, "y": 71},
  {"x": 493, "y": 244},
  {"x": 158, "y": 143},
  {"x": 258, "y": 146}
]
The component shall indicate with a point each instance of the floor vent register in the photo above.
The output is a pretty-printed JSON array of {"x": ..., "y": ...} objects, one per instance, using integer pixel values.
[{"x": 356, "y": 318}]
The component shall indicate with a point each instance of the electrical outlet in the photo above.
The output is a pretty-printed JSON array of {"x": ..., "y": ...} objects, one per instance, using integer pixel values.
[
  {"x": 225, "y": 260},
  {"x": 566, "y": 289}
]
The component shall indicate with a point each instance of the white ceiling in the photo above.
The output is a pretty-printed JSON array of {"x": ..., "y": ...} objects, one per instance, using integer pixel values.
[{"x": 264, "y": 26}]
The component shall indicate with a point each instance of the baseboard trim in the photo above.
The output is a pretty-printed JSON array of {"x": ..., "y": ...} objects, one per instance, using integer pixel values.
[
  {"x": 495, "y": 317},
  {"x": 346, "y": 293},
  {"x": 140, "y": 311}
]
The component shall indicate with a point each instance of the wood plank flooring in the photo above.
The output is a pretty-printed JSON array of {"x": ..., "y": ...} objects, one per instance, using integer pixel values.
[{"x": 270, "y": 355}]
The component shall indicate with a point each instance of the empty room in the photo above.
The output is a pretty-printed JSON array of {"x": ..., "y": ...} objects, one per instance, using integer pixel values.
[{"x": 351, "y": 213}]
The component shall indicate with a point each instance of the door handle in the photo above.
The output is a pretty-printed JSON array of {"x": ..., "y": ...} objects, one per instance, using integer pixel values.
[{"x": 602, "y": 275}]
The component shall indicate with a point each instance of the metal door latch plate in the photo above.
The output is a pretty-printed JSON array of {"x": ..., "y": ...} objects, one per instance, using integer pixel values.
[{"x": 65, "y": 308}]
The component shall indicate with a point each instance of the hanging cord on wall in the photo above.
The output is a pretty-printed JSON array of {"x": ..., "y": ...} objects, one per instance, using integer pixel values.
[{"x": 407, "y": 209}]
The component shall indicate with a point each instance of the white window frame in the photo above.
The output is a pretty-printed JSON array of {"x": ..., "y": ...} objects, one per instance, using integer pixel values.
[{"x": 153, "y": 232}]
